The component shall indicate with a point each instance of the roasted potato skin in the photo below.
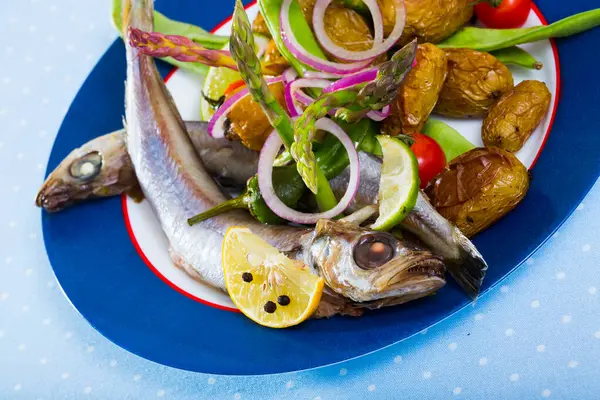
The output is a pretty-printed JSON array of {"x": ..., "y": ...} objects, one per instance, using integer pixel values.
[
  {"x": 247, "y": 122},
  {"x": 511, "y": 121},
  {"x": 347, "y": 29},
  {"x": 419, "y": 92},
  {"x": 476, "y": 80},
  {"x": 430, "y": 20},
  {"x": 260, "y": 26},
  {"x": 478, "y": 188},
  {"x": 273, "y": 60}
]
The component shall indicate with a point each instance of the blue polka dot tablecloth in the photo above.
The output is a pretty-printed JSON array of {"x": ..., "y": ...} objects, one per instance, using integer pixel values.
[{"x": 535, "y": 336}]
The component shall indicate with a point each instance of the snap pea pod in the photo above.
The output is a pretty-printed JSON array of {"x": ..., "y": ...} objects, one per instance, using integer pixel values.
[
  {"x": 167, "y": 26},
  {"x": 331, "y": 158},
  {"x": 494, "y": 39},
  {"x": 517, "y": 56},
  {"x": 270, "y": 10}
]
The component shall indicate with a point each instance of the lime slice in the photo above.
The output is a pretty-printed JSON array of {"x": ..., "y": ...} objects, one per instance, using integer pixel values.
[
  {"x": 268, "y": 287},
  {"x": 399, "y": 184},
  {"x": 218, "y": 79}
]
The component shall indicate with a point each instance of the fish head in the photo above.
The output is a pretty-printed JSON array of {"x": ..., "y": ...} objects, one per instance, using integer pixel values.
[
  {"x": 370, "y": 266},
  {"x": 100, "y": 168}
]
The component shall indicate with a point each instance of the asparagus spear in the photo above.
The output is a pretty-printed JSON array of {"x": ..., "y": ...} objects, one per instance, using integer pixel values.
[
  {"x": 241, "y": 45},
  {"x": 352, "y": 104}
]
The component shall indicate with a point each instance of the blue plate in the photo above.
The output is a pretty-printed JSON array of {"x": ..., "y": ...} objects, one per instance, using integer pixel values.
[{"x": 108, "y": 283}]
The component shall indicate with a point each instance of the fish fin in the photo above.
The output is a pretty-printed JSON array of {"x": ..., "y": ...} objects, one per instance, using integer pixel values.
[{"x": 469, "y": 269}]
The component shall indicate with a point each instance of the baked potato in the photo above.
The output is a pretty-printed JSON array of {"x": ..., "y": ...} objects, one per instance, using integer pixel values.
[
  {"x": 511, "y": 121},
  {"x": 419, "y": 92},
  {"x": 428, "y": 20},
  {"x": 273, "y": 60},
  {"x": 476, "y": 80},
  {"x": 259, "y": 25},
  {"x": 247, "y": 122},
  {"x": 478, "y": 188},
  {"x": 347, "y": 28}
]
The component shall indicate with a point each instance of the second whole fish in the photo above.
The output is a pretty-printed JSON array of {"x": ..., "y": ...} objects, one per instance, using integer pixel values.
[{"x": 176, "y": 184}]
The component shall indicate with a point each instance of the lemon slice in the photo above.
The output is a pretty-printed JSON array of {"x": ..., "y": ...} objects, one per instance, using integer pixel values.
[
  {"x": 268, "y": 287},
  {"x": 399, "y": 184},
  {"x": 218, "y": 79}
]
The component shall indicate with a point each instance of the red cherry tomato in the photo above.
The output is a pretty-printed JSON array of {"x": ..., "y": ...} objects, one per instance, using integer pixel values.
[
  {"x": 509, "y": 14},
  {"x": 430, "y": 157},
  {"x": 234, "y": 86}
]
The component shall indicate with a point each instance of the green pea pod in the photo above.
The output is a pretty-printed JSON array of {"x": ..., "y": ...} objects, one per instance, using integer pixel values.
[
  {"x": 168, "y": 26},
  {"x": 452, "y": 143},
  {"x": 331, "y": 158},
  {"x": 517, "y": 56},
  {"x": 270, "y": 10},
  {"x": 494, "y": 39}
]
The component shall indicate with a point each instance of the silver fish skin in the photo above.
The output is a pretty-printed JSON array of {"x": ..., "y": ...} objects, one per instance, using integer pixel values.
[
  {"x": 465, "y": 263},
  {"x": 177, "y": 186},
  {"x": 230, "y": 163}
]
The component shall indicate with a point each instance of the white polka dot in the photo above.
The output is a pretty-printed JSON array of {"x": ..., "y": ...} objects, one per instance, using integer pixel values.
[
  {"x": 530, "y": 261},
  {"x": 572, "y": 364},
  {"x": 70, "y": 47},
  {"x": 535, "y": 304},
  {"x": 560, "y": 276},
  {"x": 32, "y": 235},
  {"x": 398, "y": 359},
  {"x": 478, "y": 317},
  {"x": 237, "y": 396},
  {"x": 289, "y": 384},
  {"x": 28, "y": 271},
  {"x": 371, "y": 388},
  {"x": 592, "y": 290},
  {"x": 509, "y": 332},
  {"x": 160, "y": 393},
  {"x": 580, "y": 207},
  {"x": 72, "y": 17},
  {"x": 514, "y": 377},
  {"x": 51, "y": 39},
  {"x": 6, "y": 80},
  {"x": 483, "y": 361},
  {"x": 91, "y": 27},
  {"x": 68, "y": 335},
  {"x": 25, "y": 308},
  {"x": 12, "y": 224},
  {"x": 317, "y": 398},
  {"x": 67, "y": 78},
  {"x": 1, "y": 334},
  {"x": 343, "y": 371},
  {"x": 586, "y": 247},
  {"x": 13, "y": 20},
  {"x": 504, "y": 289},
  {"x": 17, "y": 387},
  {"x": 50, "y": 284},
  {"x": 32, "y": 28},
  {"x": 211, "y": 381},
  {"x": 43, "y": 360},
  {"x": 113, "y": 363},
  {"x": 452, "y": 346},
  {"x": 597, "y": 334},
  {"x": 4, "y": 296},
  {"x": 10, "y": 50},
  {"x": 20, "y": 155},
  {"x": 427, "y": 374},
  {"x": 65, "y": 375},
  {"x": 15, "y": 188},
  {"x": 566, "y": 319},
  {"x": 90, "y": 349},
  {"x": 46, "y": 321},
  {"x": 22, "y": 122},
  {"x": 3, "y": 111},
  {"x": 21, "y": 347},
  {"x": 546, "y": 393},
  {"x": 53, "y": 8},
  {"x": 138, "y": 377},
  {"x": 47, "y": 68},
  {"x": 26, "y": 90},
  {"x": 89, "y": 57},
  {"x": 40, "y": 167},
  {"x": 87, "y": 390},
  {"x": 540, "y": 348},
  {"x": 457, "y": 390},
  {"x": 8, "y": 260}
]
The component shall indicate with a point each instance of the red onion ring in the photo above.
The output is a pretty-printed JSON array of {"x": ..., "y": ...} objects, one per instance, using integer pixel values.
[
  {"x": 379, "y": 47},
  {"x": 289, "y": 75},
  {"x": 215, "y": 125},
  {"x": 306, "y": 57},
  {"x": 293, "y": 88},
  {"x": 321, "y": 75},
  {"x": 352, "y": 80},
  {"x": 265, "y": 177},
  {"x": 380, "y": 115}
]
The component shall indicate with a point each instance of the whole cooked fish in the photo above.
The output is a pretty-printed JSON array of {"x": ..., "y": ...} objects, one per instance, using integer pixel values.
[
  {"x": 369, "y": 269},
  {"x": 231, "y": 163},
  {"x": 102, "y": 167}
]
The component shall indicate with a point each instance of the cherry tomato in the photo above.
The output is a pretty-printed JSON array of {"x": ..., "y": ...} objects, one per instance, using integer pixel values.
[
  {"x": 509, "y": 14},
  {"x": 430, "y": 157},
  {"x": 234, "y": 86}
]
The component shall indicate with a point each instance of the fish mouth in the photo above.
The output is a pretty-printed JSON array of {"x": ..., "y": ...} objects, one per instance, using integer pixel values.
[
  {"x": 54, "y": 196},
  {"x": 421, "y": 267}
]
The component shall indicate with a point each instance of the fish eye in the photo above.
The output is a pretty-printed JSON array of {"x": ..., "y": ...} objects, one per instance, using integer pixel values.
[
  {"x": 374, "y": 250},
  {"x": 86, "y": 167}
]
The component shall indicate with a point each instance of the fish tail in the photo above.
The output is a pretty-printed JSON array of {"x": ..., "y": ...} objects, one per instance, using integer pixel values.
[
  {"x": 469, "y": 269},
  {"x": 138, "y": 14}
]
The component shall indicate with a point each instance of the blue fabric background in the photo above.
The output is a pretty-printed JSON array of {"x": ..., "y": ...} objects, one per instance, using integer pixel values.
[{"x": 537, "y": 335}]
